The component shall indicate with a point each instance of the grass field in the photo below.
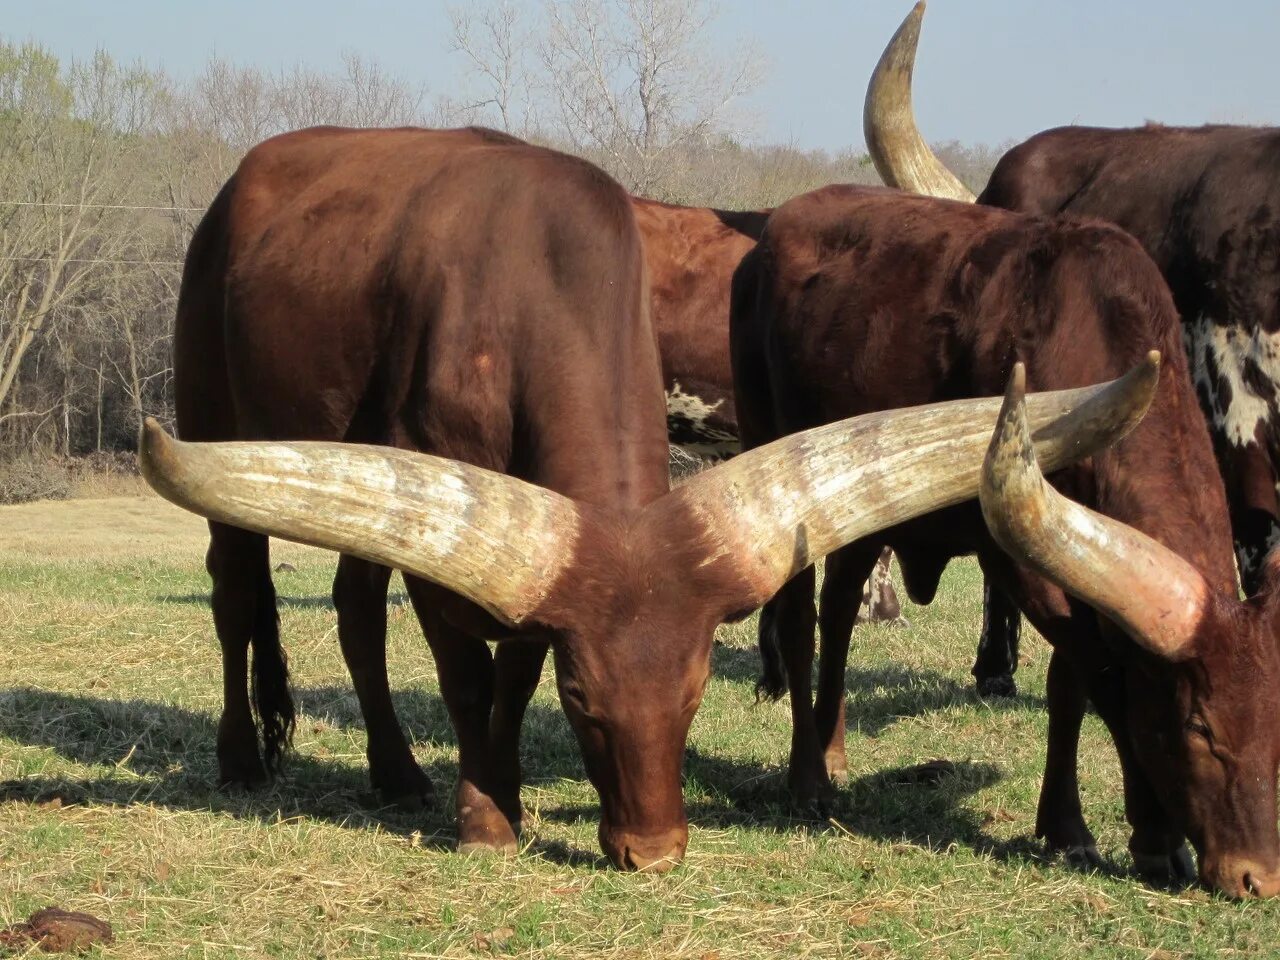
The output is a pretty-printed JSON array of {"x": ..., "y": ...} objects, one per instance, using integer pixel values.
[{"x": 109, "y": 687}]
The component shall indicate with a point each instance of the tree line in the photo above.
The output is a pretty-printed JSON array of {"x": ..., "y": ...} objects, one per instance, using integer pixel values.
[{"x": 106, "y": 168}]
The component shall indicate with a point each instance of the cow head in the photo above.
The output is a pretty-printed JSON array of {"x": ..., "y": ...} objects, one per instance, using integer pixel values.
[
  {"x": 1202, "y": 687},
  {"x": 632, "y": 601}
]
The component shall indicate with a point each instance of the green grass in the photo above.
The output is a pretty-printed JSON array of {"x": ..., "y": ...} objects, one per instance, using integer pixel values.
[{"x": 109, "y": 687}]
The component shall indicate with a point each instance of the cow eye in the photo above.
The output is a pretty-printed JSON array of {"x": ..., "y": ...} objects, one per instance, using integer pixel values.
[{"x": 1197, "y": 726}]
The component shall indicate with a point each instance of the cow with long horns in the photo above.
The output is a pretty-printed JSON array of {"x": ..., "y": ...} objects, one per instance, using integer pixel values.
[
  {"x": 862, "y": 299},
  {"x": 1203, "y": 203},
  {"x": 691, "y": 254},
  {"x": 467, "y": 295}
]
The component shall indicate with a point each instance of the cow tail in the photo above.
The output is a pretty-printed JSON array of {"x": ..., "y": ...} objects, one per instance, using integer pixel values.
[
  {"x": 773, "y": 670},
  {"x": 269, "y": 680}
]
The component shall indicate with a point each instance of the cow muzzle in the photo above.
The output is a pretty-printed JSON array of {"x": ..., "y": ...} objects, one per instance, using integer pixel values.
[
  {"x": 1242, "y": 878},
  {"x": 648, "y": 852}
]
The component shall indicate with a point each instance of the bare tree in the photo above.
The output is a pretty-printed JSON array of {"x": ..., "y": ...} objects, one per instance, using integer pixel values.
[
  {"x": 497, "y": 44},
  {"x": 69, "y": 161},
  {"x": 633, "y": 81}
]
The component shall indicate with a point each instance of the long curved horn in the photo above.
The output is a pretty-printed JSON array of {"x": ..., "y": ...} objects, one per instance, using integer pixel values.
[
  {"x": 1153, "y": 594},
  {"x": 496, "y": 540},
  {"x": 776, "y": 509},
  {"x": 900, "y": 154}
]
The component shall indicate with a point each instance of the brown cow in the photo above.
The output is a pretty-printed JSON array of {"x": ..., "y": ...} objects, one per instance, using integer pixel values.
[
  {"x": 462, "y": 293},
  {"x": 691, "y": 253},
  {"x": 1203, "y": 202},
  {"x": 862, "y": 299}
]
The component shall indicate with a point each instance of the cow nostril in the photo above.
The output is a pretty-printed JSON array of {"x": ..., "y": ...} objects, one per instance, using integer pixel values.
[{"x": 1250, "y": 888}]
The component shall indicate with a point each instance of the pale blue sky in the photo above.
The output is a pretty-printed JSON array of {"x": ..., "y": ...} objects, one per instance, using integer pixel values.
[{"x": 989, "y": 71}]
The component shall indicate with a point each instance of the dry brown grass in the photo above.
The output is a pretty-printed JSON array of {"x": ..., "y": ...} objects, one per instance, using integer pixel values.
[{"x": 116, "y": 528}]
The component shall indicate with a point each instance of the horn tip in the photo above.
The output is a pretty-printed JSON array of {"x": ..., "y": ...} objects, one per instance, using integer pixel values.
[
  {"x": 154, "y": 449},
  {"x": 1017, "y": 386},
  {"x": 152, "y": 437}
]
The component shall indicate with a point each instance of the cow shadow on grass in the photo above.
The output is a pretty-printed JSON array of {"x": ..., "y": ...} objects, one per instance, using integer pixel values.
[
  {"x": 150, "y": 752},
  {"x": 879, "y": 696}
]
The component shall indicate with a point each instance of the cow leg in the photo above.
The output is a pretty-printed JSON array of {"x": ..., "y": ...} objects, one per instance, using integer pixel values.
[
  {"x": 1059, "y": 818},
  {"x": 846, "y": 570},
  {"x": 244, "y": 616},
  {"x": 879, "y": 598},
  {"x": 997, "y": 659},
  {"x": 465, "y": 668},
  {"x": 788, "y": 628},
  {"x": 1251, "y": 496},
  {"x": 517, "y": 670},
  {"x": 1158, "y": 848},
  {"x": 360, "y": 595}
]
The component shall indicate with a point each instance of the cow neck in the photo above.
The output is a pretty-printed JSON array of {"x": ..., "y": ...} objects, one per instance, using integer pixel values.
[{"x": 1163, "y": 480}]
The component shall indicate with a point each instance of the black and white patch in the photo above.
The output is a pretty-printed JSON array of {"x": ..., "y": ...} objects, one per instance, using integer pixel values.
[{"x": 698, "y": 427}]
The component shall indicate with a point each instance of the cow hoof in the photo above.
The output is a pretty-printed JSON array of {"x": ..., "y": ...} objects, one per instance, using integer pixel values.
[
  {"x": 242, "y": 775},
  {"x": 1175, "y": 868},
  {"x": 410, "y": 802},
  {"x": 1082, "y": 857},
  {"x": 898, "y": 621},
  {"x": 1000, "y": 686},
  {"x": 838, "y": 770},
  {"x": 483, "y": 830},
  {"x": 411, "y": 791},
  {"x": 813, "y": 798}
]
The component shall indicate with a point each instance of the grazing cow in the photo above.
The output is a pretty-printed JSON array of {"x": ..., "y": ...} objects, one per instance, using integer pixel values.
[
  {"x": 1205, "y": 204},
  {"x": 691, "y": 254},
  {"x": 467, "y": 295},
  {"x": 862, "y": 299}
]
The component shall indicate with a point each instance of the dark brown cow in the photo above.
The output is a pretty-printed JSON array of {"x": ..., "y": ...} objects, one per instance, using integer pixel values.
[
  {"x": 861, "y": 299},
  {"x": 1204, "y": 203},
  {"x": 691, "y": 253},
  {"x": 462, "y": 293}
]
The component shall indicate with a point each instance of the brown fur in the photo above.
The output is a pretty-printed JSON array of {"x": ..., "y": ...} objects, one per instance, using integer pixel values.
[
  {"x": 464, "y": 294},
  {"x": 1204, "y": 203},
  {"x": 862, "y": 299}
]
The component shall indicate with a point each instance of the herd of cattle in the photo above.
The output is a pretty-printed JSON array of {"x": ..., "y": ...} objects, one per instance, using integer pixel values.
[{"x": 446, "y": 352}]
